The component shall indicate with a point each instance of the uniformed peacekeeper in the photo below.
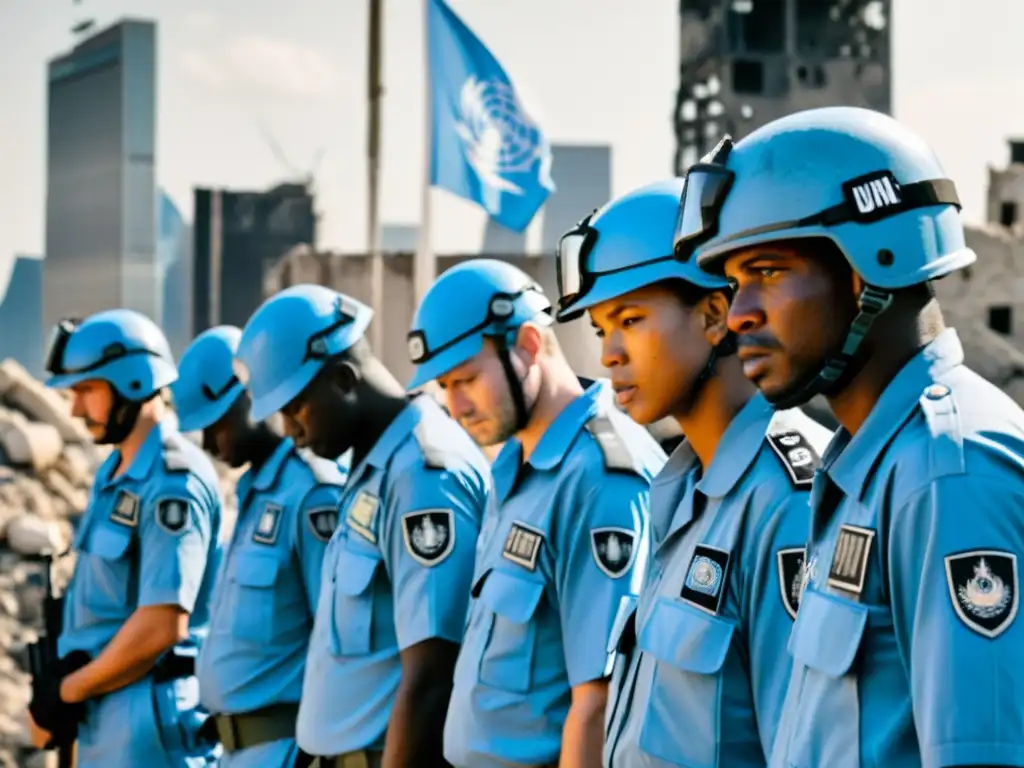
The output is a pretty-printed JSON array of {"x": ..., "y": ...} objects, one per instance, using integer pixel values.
[
  {"x": 831, "y": 223},
  {"x": 568, "y": 538},
  {"x": 251, "y": 664},
  {"x": 397, "y": 572},
  {"x": 700, "y": 658},
  {"x": 147, "y": 550}
]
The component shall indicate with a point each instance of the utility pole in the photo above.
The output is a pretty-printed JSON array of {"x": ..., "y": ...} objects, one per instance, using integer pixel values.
[{"x": 375, "y": 94}]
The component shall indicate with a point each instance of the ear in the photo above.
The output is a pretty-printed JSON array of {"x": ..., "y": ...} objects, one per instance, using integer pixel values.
[
  {"x": 858, "y": 283},
  {"x": 530, "y": 342},
  {"x": 344, "y": 375},
  {"x": 713, "y": 309}
]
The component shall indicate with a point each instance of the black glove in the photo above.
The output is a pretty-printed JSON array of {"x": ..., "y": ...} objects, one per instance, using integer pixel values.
[{"x": 48, "y": 709}]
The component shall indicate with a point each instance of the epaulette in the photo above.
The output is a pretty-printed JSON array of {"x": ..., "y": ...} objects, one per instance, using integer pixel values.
[
  {"x": 175, "y": 458},
  {"x": 434, "y": 454},
  {"x": 796, "y": 454},
  {"x": 946, "y": 448},
  {"x": 617, "y": 456}
]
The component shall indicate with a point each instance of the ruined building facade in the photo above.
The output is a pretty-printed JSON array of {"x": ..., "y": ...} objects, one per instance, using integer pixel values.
[{"x": 744, "y": 63}]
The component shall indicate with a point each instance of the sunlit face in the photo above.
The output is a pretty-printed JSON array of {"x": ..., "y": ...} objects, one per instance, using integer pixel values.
[
  {"x": 791, "y": 309},
  {"x": 92, "y": 401},
  {"x": 654, "y": 349},
  {"x": 478, "y": 397}
]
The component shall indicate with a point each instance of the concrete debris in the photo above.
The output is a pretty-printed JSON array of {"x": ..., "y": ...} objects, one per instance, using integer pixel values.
[{"x": 47, "y": 463}]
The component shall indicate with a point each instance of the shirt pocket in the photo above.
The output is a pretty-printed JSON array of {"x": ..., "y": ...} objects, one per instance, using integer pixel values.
[
  {"x": 683, "y": 715},
  {"x": 106, "y": 572},
  {"x": 509, "y": 653},
  {"x": 822, "y": 724},
  {"x": 255, "y": 579},
  {"x": 352, "y": 602}
]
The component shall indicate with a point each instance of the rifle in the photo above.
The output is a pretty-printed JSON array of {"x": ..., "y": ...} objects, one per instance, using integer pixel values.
[{"x": 43, "y": 659}]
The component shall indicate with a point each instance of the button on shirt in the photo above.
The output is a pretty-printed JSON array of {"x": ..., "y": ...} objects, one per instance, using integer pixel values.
[
  {"x": 701, "y": 669},
  {"x": 906, "y": 648},
  {"x": 397, "y": 572},
  {"x": 569, "y": 539},
  {"x": 269, "y": 584}
]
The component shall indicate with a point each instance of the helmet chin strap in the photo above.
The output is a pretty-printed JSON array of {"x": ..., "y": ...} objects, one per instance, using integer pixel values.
[
  {"x": 839, "y": 367},
  {"x": 724, "y": 348},
  {"x": 515, "y": 384},
  {"x": 124, "y": 414}
]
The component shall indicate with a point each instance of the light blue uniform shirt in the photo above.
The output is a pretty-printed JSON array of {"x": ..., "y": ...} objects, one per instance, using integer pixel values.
[
  {"x": 701, "y": 668},
  {"x": 906, "y": 647},
  {"x": 148, "y": 537},
  {"x": 267, "y": 593},
  {"x": 568, "y": 539},
  {"x": 397, "y": 572}
]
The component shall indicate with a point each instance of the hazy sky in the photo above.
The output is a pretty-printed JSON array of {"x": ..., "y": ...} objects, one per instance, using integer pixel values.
[{"x": 601, "y": 71}]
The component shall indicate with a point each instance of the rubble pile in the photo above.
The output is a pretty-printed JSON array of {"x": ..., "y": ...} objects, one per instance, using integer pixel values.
[{"x": 47, "y": 462}]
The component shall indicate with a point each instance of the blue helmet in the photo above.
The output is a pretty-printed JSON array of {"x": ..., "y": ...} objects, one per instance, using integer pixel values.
[
  {"x": 207, "y": 385},
  {"x": 624, "y": 246},
  {"x": 472, "y": 300},
  {"x": 119, "y": 346},
  {"x": 288, "y": 340},
  {"x": 853, "y": 176}
]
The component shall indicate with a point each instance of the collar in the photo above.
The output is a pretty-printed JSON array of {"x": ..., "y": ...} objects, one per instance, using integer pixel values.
[
  {"x": 266, "y": 476},
  {"x": 560, "y": 434},
  {"x": 152, "y": 448},
  {"x": 420, "y": 407},
  {"x": 737, "y": 448},
  {"x": 849, "y": 461}
]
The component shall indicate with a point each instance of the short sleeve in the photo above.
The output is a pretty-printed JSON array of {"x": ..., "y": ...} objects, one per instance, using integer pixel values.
[
  {"x": 429, "y": 547},
  {"x": 606, "y": 549},
  {"x": 953, "y": 573},
  {"x": 316, "y": 521},
  {"x": 174, "y": 532}
]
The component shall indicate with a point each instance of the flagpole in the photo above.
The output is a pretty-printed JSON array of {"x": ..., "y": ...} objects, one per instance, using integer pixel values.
[
  {"x": 375, "y": 91},
  {"x": 424, "y": 266}
]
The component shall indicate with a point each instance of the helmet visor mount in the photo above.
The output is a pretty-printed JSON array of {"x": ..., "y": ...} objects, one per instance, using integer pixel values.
[{"x": 57, "y": 346}]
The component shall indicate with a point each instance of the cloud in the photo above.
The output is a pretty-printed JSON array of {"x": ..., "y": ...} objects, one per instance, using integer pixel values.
[{"x": 266, "y": 66}]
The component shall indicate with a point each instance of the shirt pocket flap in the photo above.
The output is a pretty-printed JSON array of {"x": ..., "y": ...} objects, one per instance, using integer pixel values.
[
  {"x": 355, "y": 572},
  {"x": 685, "y": 637},
  {"x": 827, "y": 632},
  {"x": 254, "y": 569},
  {"x": 109, "y": 543},
  {"x": 623, "y": 619},
  {"x": 514, "y": 597}
]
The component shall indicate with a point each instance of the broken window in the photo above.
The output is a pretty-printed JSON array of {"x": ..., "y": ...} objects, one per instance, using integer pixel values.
[
  {"x": 757, "y": 26},
  {"x": 747, "y": 76},
  {"x": 1000, "y": 319},
  {"x": 1008, "y": 213},
  {"x": 1016, "y": 152}
]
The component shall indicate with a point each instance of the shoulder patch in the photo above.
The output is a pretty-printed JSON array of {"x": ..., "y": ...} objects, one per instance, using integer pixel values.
[
  {"x": 361, "y": 515},
  {"x": 790, "y": 563},
  {"x": 175, "y": 458},
  {"x": 269, "y": 524},
  {"x": 797, "y": 456},
  {"x": 172, "y": 514},
  {"x": 126, "y": 509},
  {"x": 522, "y": 546},
  {"x": 322, "y": 522},
  {"x": 617, "y": 456},
  {"x": 429, "y": 535},
  {"x": 983, "y": 586},
  {"x": 434, "y": 455},
  {"x": 614, "y": 549}
]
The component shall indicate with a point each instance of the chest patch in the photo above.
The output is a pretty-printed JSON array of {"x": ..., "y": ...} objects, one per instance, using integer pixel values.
[
  {"x": 322, "y": 522},
  {"x": 362, "y": 516},
  {"x": 126, "y": 509},
  {"x": 268, "y": 525},
  {"x": 790, "y": 563},
  {"x": 797, "y": 456},
  {"x": 849, "y": 568},
  {"x": 704, "y": 587},
  {"x": 522, "y": 546},
  {"x": 614, "y": 550},
  {"x": 172, "y": 515},
  {"x": 429, "y": 535},
  {"x": 983, "y": 586}
]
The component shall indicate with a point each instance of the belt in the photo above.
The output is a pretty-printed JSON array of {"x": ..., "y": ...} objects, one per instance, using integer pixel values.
[
  {"x": 172, "y": 666},
  {"x": 261, "y": 726},
  {"x": 361, "y": 759}
]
